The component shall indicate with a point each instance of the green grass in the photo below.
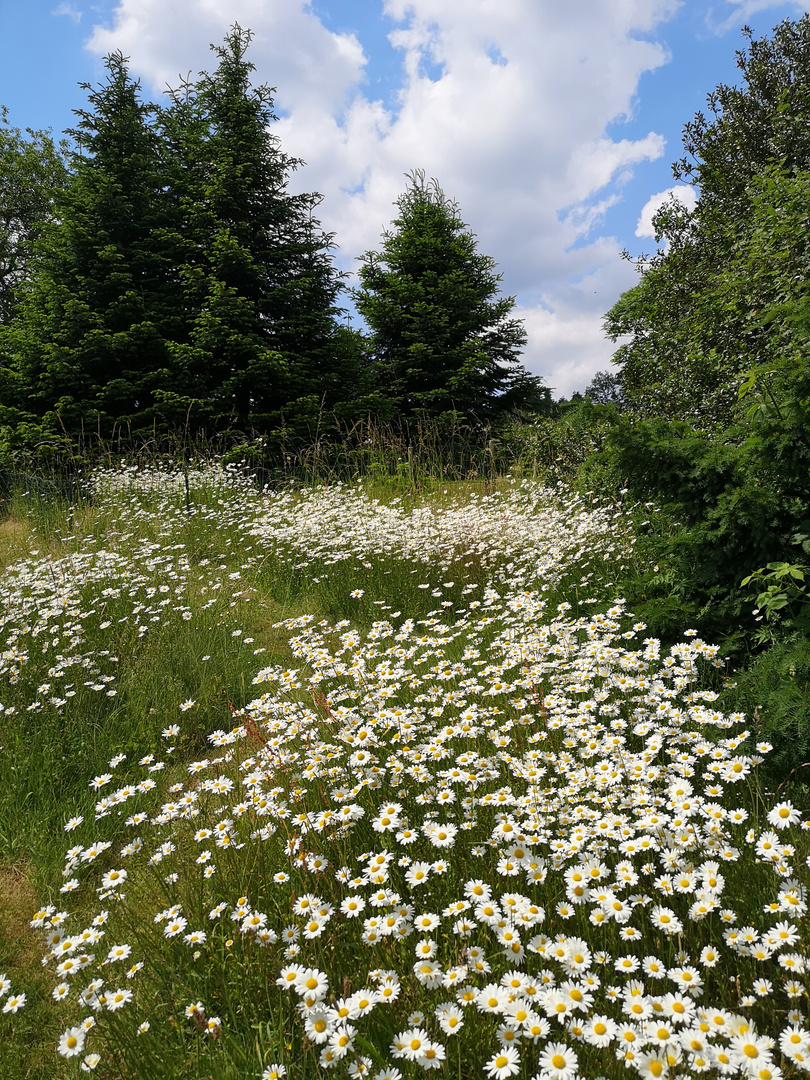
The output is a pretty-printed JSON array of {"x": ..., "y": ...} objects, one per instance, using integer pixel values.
[
  {"x": 474, "y": 635},
  {"x": 49, "y": 755}
]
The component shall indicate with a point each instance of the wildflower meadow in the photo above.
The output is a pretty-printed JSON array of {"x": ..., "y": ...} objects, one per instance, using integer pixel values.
[{"x": 327, "y": 783}]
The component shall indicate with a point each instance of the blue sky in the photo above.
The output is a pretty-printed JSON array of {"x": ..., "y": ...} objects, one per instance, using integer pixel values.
[{"x": 553, "y": 124}]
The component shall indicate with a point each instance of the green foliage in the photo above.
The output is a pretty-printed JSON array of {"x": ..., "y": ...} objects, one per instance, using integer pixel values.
[
  {"x": 89, "y": 349},
  {"x": 566, "y": 446},
  {"x": 774, "y": 692},
  {"x": 729, "y": 520},
  {"x": 605, "y": 388},
  {"x": 262, "y": 341},
  {"x": 441, "y": 339},
  {"x": 740, "y": 488},
  {"x": 783, "y": 596},
  {"x": 695, "y": 320},
  {"x": 181, "y": 286},
  {"x": 717, "y": 377},
  {"x": 32, "y": 171}
]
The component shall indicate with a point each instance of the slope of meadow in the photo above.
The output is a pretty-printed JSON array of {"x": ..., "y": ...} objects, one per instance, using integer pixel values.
[{"x": 312, "y": 783}]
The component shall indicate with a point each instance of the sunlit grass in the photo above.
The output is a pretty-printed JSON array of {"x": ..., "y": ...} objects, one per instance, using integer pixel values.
[{"x": 378, "y": 784}]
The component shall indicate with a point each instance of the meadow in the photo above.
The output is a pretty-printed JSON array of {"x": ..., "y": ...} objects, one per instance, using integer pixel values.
[{"x": 386, "y": 782}]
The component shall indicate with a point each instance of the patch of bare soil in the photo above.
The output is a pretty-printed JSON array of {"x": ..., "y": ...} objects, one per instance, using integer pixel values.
[
  {"x": 27, "y": 1048},
  {"x": 14, "y": 535},
  {"x": 19, "y": 945}
]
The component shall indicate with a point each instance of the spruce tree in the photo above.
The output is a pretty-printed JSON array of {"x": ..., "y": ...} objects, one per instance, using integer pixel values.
[
  {"x": 262, "y": 344},
  {"x": 442, "y": 341},
  {"x": 88, "y": 351}
]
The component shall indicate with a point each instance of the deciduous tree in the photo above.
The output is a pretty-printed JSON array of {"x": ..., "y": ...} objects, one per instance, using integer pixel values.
[
  {"x": 688, "y": 350},
  {"x": 32, "y": 172}
]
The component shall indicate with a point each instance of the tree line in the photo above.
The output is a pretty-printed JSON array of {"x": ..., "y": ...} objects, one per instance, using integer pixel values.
[
  {"x": 714, "y": 362},
  {"x": 704, "y": 421},
  {"x": 158, "y": 274}
]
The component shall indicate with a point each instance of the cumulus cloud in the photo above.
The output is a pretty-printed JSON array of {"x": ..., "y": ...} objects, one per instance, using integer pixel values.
[
  {"x": 291, "y": 49},
  {"x": 682, "y": 192},
  {"x": 565, "y": 327},
  {"x": 507, "y": 103}
]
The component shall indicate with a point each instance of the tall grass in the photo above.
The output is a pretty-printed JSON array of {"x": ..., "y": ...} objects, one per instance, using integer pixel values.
[
  {"x": 408, "y": 455},
  {"x": 374, "y": 781}
]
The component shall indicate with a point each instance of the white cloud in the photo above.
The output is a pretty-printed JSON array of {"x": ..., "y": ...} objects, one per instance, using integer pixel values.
[
  {"x": 742, "y": 10},
  {"x": 685, "y": 195},
  {"x": 69, "y": 11},
  {"x": 513, "y": 124},
  {"x": 566, "y": 341},
  {"x": 291, "y": 48}
]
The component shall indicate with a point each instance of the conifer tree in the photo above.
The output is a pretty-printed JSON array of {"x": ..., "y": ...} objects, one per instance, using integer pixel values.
[
  {"x": 89, "y": 349},
  {"x": 262, "y": 344},
  {"x": 441, "y": 338}
]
